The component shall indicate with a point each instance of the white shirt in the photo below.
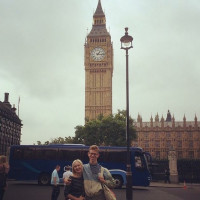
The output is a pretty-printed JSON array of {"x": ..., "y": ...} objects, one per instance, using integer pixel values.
[
  {"x": 55, "y": 175},
  {"x": 66, "y": 174}
]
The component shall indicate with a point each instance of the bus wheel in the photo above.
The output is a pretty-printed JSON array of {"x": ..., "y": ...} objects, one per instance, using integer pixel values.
[
  {"x": 44, "y": 179},
  {"x": 118, "y": 181}
]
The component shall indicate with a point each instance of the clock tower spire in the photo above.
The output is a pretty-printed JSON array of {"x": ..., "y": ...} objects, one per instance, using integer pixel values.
[
  {"x": 98, "y": 68},
  {"x": 99, "y": 10}
]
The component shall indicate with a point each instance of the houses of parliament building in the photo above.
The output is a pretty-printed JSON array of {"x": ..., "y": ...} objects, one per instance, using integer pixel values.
[{"x": 158, "y": 136}]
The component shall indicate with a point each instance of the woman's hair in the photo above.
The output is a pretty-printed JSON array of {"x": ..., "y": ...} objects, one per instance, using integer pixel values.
[
  {"x": 74, "y": 162},
  {"x": 3, "y": 159}
]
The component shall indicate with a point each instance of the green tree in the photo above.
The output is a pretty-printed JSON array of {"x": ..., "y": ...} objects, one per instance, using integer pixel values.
[
  {"x": 108, "y": 131},
  {"x": 58, "y": 140}
]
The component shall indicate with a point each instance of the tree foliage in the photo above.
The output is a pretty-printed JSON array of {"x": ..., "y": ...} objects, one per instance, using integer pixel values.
[
  {"x": 108, "y": 131},
  {"x": 58, "y": 140}
]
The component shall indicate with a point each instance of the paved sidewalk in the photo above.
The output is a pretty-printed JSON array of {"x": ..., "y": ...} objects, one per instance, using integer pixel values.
[
  {"x": 162, "y": 184},
  {"x": 173, "y": 185}
]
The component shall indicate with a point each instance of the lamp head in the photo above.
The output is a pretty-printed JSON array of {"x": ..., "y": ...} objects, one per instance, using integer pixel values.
[{"x": 126, "y": 40}]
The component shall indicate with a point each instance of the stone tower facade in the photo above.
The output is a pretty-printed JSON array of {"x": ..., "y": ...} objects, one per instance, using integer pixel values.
[
  {"x": 98, "y": 68},
  {"x": 158, "y": 136},
  {"x": 10, "y": 126}
]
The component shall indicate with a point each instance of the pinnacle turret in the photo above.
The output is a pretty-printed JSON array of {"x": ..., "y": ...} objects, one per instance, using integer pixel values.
[{"x": 99, "y": 11}]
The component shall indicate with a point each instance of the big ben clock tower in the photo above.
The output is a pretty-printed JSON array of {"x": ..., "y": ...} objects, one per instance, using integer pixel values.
[{"x": 98, "y": 68}]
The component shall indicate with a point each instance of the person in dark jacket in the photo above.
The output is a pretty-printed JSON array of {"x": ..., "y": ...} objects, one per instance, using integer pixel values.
[
  {"x": 4, "y": 168},
  {"x": 167, "y": 174}
]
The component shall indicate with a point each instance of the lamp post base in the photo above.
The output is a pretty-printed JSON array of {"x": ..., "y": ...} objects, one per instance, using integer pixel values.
[{"x": 129, "y": 193}]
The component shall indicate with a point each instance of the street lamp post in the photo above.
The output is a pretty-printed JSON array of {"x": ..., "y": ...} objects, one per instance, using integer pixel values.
[{"x": 126, "y": 44}]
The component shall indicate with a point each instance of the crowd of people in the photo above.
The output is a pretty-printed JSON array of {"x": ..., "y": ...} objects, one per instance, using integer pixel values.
[{"x": 85, "y": 181}]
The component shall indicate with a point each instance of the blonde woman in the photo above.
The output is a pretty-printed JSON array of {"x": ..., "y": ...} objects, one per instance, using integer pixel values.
[
  {"x": 4, "y": 168},
  {"x": 75, "y": 190}
]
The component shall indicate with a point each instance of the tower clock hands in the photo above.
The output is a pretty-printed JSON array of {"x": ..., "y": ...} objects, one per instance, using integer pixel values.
[
  {"x": 101, "y": 54},
  {"x": 97, "y": 54}
]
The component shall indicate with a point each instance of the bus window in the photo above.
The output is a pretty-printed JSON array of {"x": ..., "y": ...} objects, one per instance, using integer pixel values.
[
  {"x": 69, "y": 155},
  {"x": 46, "y": 154},
  {"x": 116, "y": 157},
  {"x": 84, "y": 155},
  {"x": 50, "y": 154},
  {"x": 17, "y": 154},
  {"x": 28, "y": 154},
  {"x": 139, "y": 161},
  {"x": 23, "y": 154},
  {"x": 39, "y": 154}
]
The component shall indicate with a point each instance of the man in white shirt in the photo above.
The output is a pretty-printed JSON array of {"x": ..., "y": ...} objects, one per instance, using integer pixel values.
[
  {"x": 66, "y": 174},
  {"x": 55, "y": 183}
]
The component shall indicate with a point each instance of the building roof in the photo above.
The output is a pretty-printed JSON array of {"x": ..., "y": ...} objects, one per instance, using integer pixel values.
[
  {"x": 99, "y": 29},
  {"x": 166, "y": 124},
  {"x": 170, "y": 122},
  {"x": 9, "y": 113}
]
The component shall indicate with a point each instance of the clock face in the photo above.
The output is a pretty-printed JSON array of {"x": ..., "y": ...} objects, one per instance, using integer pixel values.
[{"x": 97, "y": 54}]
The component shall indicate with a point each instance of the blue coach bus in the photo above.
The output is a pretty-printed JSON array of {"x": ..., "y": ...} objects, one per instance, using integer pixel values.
[{"x": 36, "y": 162}]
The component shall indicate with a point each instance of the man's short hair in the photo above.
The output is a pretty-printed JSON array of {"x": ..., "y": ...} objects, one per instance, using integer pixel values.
[
  {"x": 94, "y": 148},
  {"x": 57, "y": 166}
]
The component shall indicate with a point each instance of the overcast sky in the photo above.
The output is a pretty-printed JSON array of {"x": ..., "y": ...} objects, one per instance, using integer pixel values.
[{"x": 42, "y": 60}]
